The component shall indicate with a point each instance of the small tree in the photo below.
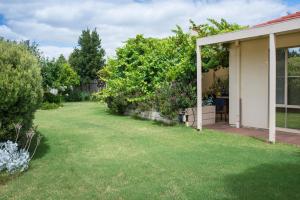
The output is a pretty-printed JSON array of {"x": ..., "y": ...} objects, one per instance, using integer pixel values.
[
  {"x": 21, "y": 89},
  {"x": 215, "y": 56},
  {"x": 148, "y": 72},
  {"x": 88, "y": 58},
  {"x": 58, "y": 75}
]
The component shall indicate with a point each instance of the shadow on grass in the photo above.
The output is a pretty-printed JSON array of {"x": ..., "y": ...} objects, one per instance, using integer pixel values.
[
  {"x": 160, "y": 123},
  {"x": 109, "y": 112},
  {"x": 6, "y": 177},
  {"x": 139, "y": 118},
  {"x": 267, "y": 181},
  {"x": 261, "y": 139},
  {"x": 42, "y": 149},
  {"x": 154, "y": 122}
]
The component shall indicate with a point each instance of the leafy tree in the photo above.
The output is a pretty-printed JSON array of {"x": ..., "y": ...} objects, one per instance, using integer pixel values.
[
  {"x": 133, "y": 76},
  {"x": 61, "y": 60},
  {"x": 161, "y": 73},
  {"x": 88, "y": 58},
  {"x": 32, "y": 47},
  {"x": 141, "y": 68},
  {"x": 21, "y": 89},
  {"x": 217, "y": 55},
  {"x": 58, "y": 74}
]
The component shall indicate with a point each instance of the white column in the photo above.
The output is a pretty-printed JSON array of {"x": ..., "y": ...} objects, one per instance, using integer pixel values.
[
  {"x": 238, "y": 84},
  {"x": 272, "y": 88},
  {"x": 199, "y": 88}
]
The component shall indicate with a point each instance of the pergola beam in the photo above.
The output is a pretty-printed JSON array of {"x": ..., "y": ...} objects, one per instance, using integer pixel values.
[{"x": 287, "y": 26}]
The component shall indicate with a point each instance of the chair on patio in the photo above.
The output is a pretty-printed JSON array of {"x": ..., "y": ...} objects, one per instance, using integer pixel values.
[{"x": 221, "y": 108}]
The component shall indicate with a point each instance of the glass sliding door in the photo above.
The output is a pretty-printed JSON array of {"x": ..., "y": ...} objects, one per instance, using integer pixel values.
[
  {"x": 280, "y": 88},
  {"x": 288, "y": 88},
  {"x": 280, "y": 76},
  {"x": 293, "y": 88}
]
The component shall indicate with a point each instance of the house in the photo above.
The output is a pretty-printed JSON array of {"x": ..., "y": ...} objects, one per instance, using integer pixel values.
[{"x": 264, "y": 75}]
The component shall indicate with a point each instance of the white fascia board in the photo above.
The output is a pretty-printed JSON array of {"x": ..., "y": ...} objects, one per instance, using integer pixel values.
[{"x": 286, "y": 26}]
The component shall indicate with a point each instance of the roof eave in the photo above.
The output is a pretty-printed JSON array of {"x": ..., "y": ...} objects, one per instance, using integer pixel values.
[{"x": 291, "y": 25}]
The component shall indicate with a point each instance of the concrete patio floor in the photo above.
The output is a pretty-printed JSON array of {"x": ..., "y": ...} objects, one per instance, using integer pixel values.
[{"x": 282, "y": 137}]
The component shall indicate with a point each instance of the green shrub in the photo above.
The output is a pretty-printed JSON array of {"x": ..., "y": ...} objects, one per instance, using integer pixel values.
[
  {"x": 95, "y": 97},
  {"x": 175, "y": 97},
  {"x": 21, "y": 89},
  {"x": 77, "y": 95},
  {"x": 117, "y": 104},
  {"x": 164, "y": 70},
  {"x": 51, "y": 98},
  {"x": 58, "y": 75},
  {"x": 50, "y": 106}
]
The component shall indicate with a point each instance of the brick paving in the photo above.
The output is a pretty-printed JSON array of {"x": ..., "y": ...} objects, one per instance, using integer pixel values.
[{"x": 282, "y": 137}]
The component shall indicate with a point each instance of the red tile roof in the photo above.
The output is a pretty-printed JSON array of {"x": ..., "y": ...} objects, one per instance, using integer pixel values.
[{"x": 281, "y": 19}]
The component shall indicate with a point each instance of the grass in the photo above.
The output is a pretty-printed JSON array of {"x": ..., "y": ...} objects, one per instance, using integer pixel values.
[{"x": 88, "y": 153}]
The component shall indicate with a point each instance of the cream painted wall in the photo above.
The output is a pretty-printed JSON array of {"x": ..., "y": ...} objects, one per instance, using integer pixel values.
[
  {"x": 254, "y": 83},
  {"x": 254, "y": 79}
]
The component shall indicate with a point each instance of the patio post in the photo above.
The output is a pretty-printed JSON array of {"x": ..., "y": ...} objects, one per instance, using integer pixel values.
[
  {"x": 272, "y": 88},
  {"x": 199, "y": 88},
  {"x": 238, "y": 84}
]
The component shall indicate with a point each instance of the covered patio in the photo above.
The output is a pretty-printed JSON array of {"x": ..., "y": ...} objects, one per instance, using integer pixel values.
[
  {"x": 254, "y": 86},
  {"x": 282, "y": 137}
]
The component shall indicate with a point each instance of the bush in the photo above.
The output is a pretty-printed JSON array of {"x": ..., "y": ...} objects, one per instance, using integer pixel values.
[
  {"x": 164, "y": 69},
  {"x": 58, "y": 79},
  {"x": 175, "y": 97},
  {"x": 50, "y": 106},
  {"x": 77, "y": 95},
  {"x": 117, "y": 104},
  {"x": 20, "y": 88},
  {"x": 51, "y": 98},
  {"x": 12, "y": 159}
]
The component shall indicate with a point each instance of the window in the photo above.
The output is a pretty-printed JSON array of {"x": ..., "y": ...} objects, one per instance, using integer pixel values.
[
  {"x": 293, "y": 79},
  {"x": 280, "y": 76}
]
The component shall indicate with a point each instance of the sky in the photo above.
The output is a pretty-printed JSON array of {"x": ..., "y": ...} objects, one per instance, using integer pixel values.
[{"x": 56, "y": 24}]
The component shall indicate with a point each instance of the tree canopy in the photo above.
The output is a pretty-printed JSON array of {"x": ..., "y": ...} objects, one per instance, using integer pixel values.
[
  {"x": 161, "y": 73},
  {"x": 88, "y": 58},
  {"x": 217, "y": 55},
  {"x": 58, "y": 73},
  {"x": 21, "y": 89}
]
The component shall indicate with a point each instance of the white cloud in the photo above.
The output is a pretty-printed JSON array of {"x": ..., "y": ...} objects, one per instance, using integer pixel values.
[
  {"x": 55, "y": 51},
  {"x": 54, "y": 23},
  {"x": 42, "y": 32},
  {"x": 6, "y": 32}
]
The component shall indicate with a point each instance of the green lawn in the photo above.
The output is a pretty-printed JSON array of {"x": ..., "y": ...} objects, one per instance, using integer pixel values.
[{"x": 88, "y": 153}]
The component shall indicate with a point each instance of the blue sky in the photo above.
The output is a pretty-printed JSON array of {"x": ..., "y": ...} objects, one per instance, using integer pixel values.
[
  {"x": 2, "y": 19},
  {"x": 292, "y": 2},
  {"x": 56, "y": 24}
]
